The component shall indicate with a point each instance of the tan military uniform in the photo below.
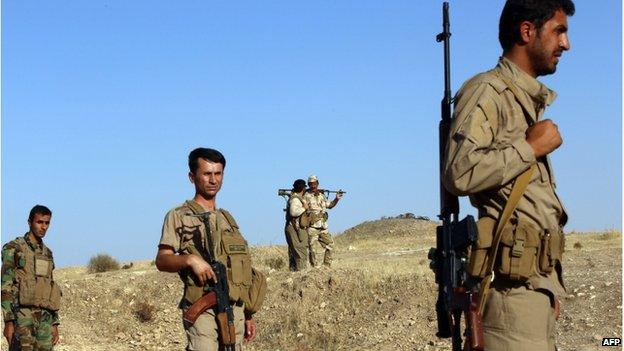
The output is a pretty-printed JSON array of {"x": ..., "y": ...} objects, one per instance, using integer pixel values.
[
  {"x": 296, "y": 237},
  {"x": 180, "y": 231},
  {"x": 487, "y": 149},
  {"x": 319, "y": 239}
]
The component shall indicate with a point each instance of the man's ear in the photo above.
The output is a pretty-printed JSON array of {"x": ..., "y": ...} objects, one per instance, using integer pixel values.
[
  {"x": 527, "y": 32},
  {"x": 191, "y": 177}
]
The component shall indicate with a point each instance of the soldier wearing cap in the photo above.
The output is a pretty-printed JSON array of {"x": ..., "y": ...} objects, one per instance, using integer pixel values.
[
  {"x": 319, "y": 239},
  {"x": 499, "y": 142}
]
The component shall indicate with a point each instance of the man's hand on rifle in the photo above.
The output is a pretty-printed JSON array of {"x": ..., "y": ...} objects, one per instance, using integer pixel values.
[
  {"x": 201, "y": 269},
  {"x": 250, "y": 329}
]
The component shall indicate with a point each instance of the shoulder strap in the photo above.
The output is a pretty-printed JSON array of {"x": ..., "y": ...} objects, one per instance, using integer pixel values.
[
  {"x": 520, "y": 185},
  {"x": 229, "y": 218}
]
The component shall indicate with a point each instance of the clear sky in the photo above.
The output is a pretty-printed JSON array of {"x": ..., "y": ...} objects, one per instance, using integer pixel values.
[{"x": 103, "y": 100}]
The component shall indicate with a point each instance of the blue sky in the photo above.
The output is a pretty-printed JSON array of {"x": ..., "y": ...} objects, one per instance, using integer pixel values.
[{"x": 103, "y": 100}]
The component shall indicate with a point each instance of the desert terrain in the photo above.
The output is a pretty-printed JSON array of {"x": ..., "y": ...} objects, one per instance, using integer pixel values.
[{"x": 379, "y": 295}]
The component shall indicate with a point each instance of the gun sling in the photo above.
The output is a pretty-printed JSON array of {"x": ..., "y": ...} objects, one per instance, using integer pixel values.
[{"x": 520, "y": 185}]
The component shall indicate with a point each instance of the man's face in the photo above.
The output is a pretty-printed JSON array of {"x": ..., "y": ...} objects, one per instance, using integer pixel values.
[
  {"x": 39, "y": 225},
  {"x": 207, "y": 178},
  {"x": 551, "y": 41},
  {"x": 313, "y": 185}
]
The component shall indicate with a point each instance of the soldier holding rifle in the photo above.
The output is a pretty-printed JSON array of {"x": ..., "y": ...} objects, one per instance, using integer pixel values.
[
  {"x": 319, "y": 239},
  {"x": 204, "y": 245},
  {"x": 498, "y": 154}
]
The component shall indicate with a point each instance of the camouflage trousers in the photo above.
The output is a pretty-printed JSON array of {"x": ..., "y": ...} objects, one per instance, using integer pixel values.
[
  {"x": 33, "y": 330},
  {"x": 297, "y": 241},
  {"x": 321, "y": 244}
]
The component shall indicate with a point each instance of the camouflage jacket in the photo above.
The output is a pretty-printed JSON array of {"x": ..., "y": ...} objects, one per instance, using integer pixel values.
[{"x": 12, "y": 260}]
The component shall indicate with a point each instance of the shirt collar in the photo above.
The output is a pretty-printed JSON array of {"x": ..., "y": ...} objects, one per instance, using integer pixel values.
[
  {"x": 35, "y": 245},
  {"x": 538, "y": 92}
]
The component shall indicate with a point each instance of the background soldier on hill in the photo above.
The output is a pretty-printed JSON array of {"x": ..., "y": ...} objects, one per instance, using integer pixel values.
[
  {"x": 296, "y": 236},
  {"x": 30, "y": 297},
  {"x": 498, "y": 141},
  {"x": 320, "y": 241}
]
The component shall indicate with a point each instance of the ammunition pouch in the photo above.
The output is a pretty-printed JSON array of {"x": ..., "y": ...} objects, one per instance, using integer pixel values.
[
  {"x": 256, "y": 293},
  {"x": 305, "y": 220},
  {"x": 523, "y": 251},
  {"x": 238, "y": 262}
]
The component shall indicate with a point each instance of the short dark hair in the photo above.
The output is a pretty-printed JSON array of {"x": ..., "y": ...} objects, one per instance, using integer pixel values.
[
  {"x": 299, "y": 185},
  {"x": 211, "y": 155},
  {"x": 39, "y": 209},
  {"x": 537, "y": 12}
]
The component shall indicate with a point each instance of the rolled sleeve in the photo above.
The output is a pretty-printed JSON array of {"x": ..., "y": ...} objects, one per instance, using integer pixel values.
[{"x": 169, "y": 236}]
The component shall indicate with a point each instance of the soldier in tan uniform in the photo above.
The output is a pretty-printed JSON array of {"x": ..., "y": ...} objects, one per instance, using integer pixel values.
[
  {"x": 184, "y": 232},
  {"x": 319, "y": 239},
  {"x": 498, "y": 133},
  {"x": 296, "y": 236}
]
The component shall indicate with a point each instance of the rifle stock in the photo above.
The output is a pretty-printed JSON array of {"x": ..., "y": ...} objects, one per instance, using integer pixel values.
[{"x": 200, "y": 306}]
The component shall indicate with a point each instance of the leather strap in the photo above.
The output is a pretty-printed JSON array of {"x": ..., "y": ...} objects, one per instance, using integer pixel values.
[{"x": 520, "y": 185}]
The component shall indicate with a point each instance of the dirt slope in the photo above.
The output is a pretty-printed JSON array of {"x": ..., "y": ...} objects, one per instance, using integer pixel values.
[{"x": 379, "y": 295}]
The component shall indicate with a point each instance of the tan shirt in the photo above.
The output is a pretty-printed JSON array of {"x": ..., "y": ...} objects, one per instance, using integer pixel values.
[
  {"x": 295, "y": 207},
  {"x": 317, "y": 203},
  {"x": 180, "y": 227},
  {"x": 487, "y": 148}
]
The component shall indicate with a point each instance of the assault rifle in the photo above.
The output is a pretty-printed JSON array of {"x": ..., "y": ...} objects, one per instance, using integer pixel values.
[
  {"x": 216, "y": 296},
  {"x": 453, "y": 238}
]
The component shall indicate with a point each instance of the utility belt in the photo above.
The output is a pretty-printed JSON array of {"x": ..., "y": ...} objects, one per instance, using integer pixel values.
[{"x": 523, "y": 250}]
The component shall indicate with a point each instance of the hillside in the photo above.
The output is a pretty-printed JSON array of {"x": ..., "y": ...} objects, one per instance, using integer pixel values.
[{"x": 379, "y": 295}]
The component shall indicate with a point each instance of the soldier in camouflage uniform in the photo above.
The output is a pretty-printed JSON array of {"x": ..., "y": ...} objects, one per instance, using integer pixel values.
[
  {"x": 319, "y": 239},
  {"x": 498, "y": 134},
  {"x": 30, "y": 297}
]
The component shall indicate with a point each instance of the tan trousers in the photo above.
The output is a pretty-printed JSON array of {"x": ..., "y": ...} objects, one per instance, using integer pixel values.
[
  {"x": 518, "y": 319},
  {"x": 321, "y": 244},
  {"x": 203, "y": 336},
  {"x": 297, "y": 241}
]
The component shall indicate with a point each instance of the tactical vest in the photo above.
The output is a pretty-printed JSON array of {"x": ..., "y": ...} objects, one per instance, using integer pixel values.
[
  {"x": 34, "y": 277},
  {"x": 244, "y": 284},
  {"x": 290, "y": 219}
]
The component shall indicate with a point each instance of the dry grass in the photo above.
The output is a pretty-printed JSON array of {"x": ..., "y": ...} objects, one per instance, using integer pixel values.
[{"x": 102, "y": 263}]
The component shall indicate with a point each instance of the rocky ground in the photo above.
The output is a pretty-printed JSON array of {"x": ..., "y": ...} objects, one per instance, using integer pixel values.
[{"x": 380, "y": 295}]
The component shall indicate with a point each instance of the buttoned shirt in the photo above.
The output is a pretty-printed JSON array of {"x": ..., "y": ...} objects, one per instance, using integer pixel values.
[{"x": 487, "y": 149}]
